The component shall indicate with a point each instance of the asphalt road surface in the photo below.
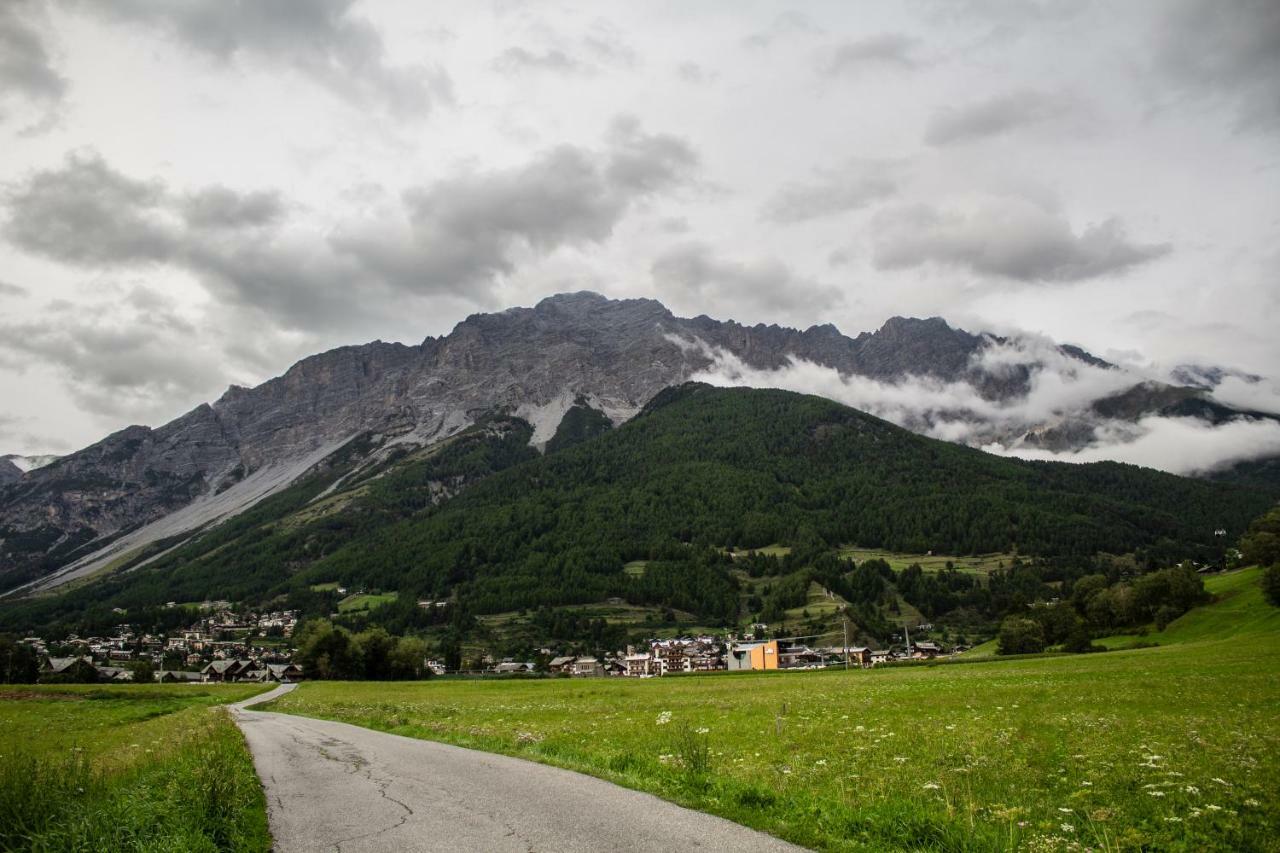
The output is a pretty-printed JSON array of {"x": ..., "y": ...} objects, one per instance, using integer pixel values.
[{"x": 333, "y": 786}]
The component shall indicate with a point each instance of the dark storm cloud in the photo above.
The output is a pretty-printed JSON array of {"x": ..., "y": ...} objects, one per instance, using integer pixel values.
[
  {"x": 86, "y": 213},
  {"x": 1010, "y": 238},
  {"x": 457, "y": 236},
  {"x": 832, "y": 191},
  {"x": 321, "y": 39},
  {"x": 888, "y": 50},
  {"x": 25, "y": 64},
  {"x": 995, "y": 116},
  {"x": 693, "y": 272},
  {"x": 1228, "y": 52}
]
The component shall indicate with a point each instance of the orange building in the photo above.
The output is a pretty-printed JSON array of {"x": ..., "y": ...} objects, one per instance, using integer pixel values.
[{"x": 765, "y": 655}]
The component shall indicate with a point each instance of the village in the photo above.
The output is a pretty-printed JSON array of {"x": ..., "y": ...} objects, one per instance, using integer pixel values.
[
  {"x": 224, "y": 645},
  {"x": 221, "y": 645},
  {"x": 661, "y": 657}
]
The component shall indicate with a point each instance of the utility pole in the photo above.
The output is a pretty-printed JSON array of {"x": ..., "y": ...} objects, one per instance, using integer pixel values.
[{"x": 846, "y": 642}]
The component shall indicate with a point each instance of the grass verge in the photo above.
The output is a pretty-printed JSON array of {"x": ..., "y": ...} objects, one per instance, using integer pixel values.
[{"x": 127, "y": 768}]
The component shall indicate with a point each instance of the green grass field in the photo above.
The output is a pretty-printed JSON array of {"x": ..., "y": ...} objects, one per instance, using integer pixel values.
[
  {"x": 126, "y": 767},
  {"x": 365, "y": 601},
  {"x": 1172, "y": 748},
  {"x": 979, "y": 565}
]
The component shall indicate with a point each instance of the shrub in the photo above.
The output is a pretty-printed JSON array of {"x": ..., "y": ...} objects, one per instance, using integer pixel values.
[
  {"x": 1271, "y": 584},
  {"x": 1020, "y": 636}
]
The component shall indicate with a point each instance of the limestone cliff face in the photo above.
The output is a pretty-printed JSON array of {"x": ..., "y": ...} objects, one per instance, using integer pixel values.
[{"x": 533, "y": 362}]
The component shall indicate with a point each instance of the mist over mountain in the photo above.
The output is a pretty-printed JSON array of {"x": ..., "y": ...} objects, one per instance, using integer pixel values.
[{"x": 581, "y": 351}]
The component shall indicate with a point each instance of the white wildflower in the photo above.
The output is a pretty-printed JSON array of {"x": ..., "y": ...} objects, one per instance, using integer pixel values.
[
  {"x": 1066, "y": 827},
  {"x": 664, "y": 718},
  {"x": 931, "y": 786}
]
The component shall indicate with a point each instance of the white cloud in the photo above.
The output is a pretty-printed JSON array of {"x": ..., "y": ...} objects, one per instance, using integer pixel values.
[{"x": 1177, "y": 445}]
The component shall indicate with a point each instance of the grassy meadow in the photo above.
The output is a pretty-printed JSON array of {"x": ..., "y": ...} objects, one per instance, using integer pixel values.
[
  {"x": 1166, "y": 748},
  {"x": 127, "y": 767}
]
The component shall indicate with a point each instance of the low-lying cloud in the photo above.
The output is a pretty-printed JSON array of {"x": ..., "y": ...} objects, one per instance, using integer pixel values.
[
  {"x": 1177, "y": 445},
  {"x": 1060, "y": 391}
]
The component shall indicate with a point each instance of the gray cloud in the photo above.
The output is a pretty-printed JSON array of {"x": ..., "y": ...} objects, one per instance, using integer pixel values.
[
  {"x": 517, "y": 60},
  {"x": 456, "y": 237},
  {"x": 119, "y": 357},
  {"x": 692, "y": 72},
  {"x": 26, "y": 67},
  {"x": 856, "y": 184},
  {"x": 599, "y": 49},
  {"x": 1225, "y": 52},
  {"x": 787, "y": 25},
  {"x": 219, "y": 207},
  {"x": 321, "y": 39},
  {"x": 9, "y": 289},
  {"x": 88, "y": 214},
  {"x": 692, "y": 270},
  {"x": 888, "y": 50},
  {"x": 469, "y": 229},
  {"x": 995, "y": 116},
  {"x": 1010, "y": 238}
]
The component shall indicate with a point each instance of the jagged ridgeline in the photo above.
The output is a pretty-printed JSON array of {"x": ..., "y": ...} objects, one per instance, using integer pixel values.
[{"x": 486, "y": 520}]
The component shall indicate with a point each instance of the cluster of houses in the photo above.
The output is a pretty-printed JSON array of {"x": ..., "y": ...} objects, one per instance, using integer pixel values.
[
  {"x": 221, "y": 645},
  {"x": 709, "y": 654}
]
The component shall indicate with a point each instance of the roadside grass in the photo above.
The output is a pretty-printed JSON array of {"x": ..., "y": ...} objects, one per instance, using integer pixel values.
[
  {"x": 127, "y": 767},
  {"x": 1174, "y": 748},
  {"x": 365, "y": 601}
]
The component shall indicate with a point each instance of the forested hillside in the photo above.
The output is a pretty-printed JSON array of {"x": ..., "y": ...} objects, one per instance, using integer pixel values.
[{"x": 702, "y": 469}]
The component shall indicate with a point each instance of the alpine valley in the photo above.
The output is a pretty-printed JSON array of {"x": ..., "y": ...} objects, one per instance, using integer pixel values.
[{"x": 535, "y": 457}]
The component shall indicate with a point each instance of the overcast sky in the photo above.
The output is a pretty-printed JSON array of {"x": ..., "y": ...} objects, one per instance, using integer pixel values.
[{"x": 199, "y": 192}]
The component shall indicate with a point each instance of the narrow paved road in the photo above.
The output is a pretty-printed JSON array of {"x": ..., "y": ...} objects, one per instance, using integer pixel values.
[{"x": 333, "y": 786}]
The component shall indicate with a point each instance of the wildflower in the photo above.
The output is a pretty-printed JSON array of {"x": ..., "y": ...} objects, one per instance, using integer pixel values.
[
  {"x": 821, "y": 762},
  {"x": 1192, "y": 789},
  {"x": 1066, "y": 827},
  {"x": 950, "y": 728},
  {"x": 1222, "y": 782},
  {"x": 931, "y": 786},
  {"x": 1064, "y": 811},
  {"x": 1173, "y": 819},
  {"x": 1086, "y": 783},
  {"x": 1214, "y": 808},
  {"x": 1251, "y": 802},
  {"x": 704, "y": 730},
  {"x": 901, "y": 759},
  {"x": 664, "y": 718},
  {"x": 1156, "y": 793}
]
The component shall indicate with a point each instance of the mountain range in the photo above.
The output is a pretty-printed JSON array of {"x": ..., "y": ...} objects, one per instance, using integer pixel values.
[{"x": 572, "y": 360}]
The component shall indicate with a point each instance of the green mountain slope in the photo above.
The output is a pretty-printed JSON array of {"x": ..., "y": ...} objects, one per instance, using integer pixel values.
[{"x": 700, "y": 470}]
